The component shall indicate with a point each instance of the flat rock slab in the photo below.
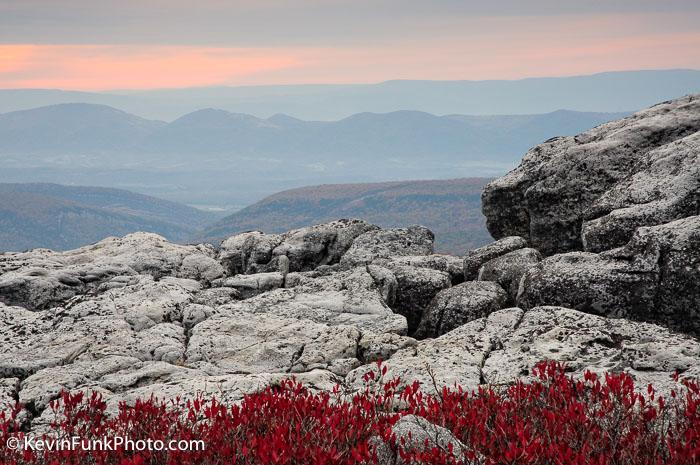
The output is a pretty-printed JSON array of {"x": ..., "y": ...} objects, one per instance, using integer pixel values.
[
  {"x": 262, "y": 343},
  {"x": 40, "y": 279}
]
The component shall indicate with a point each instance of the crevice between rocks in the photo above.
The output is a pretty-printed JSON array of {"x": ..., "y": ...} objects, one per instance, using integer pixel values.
[{"x": 295, "y": 358}]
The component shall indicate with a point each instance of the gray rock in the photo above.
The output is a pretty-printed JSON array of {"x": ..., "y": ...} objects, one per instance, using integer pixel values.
[
  {"x": 453, "y": 307},
  {"x": 374, "y": 347},
  {"x": 253, "y": 284},
  {"x": 477, "y": 257},
  {"x": 385, "y": 281},
  {"x": 350, "y": 297},
  {"x": 416, "y": 289},
  {"x": 413, "y": 433},
  {"x": 447, "y": 263},
  {"x": 32, "y": 341},
  {"x": 215, "y": 296},
  {"x": 141, "y": 302},
  {"x": 507, "y": 270},
  {"x": 547, "y": 198},
  {"x": 194, "y": 314},
  {"x": 325, "y": 244},
  {"x": 9, "y": 389},
  {"x": 656, "y": 277},
  {"x": 249, "y": 252},
  {"x": 263, "y": 343},
  {"x": 456, "y": 358},
  {"x": 165, "y": 382},
  {"x": 200, "y": 268},
  {"x": 647, "y": 352},
  {"x": 40, "y": 279},
  {"x": 664, "y": 186},
  {"x": 507, "y": 344},
  {"x": 305, "y": 248},
  {"x": 388, "y": 243}
]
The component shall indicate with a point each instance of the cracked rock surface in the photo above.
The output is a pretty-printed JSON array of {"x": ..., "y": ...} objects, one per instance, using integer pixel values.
[{"x": 638, "y": 171}]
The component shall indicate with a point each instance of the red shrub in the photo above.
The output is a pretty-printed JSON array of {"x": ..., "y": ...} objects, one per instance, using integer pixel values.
[{"x": 554, "y": 420}]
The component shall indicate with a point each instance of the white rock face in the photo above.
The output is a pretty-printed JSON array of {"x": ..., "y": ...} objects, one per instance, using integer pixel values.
[{"x": 648, "y": 352}]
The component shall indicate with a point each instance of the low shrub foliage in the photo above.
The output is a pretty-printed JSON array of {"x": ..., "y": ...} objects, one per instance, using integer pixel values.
[{"x": 553, "y": 419}]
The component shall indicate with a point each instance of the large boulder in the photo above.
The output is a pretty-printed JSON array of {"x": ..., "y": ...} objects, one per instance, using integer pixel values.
[
  {"x": 416, "y": 289},
  {"x": 387, "y": 243},
  {"x": 655, "y": 277},
  {"x": 565, "y": 181},
  {"x": 350, "y": 297},
  {"x": 449, "y": 264},
  {"x": 249, "y": 252},
  {"x": 664, "y": 186},
  {"x": 453, "y": 307},
  {"x": 306, "y": 248},
  {"x": 324, "y": 244},
  {"x": 477, "y": 257},
  {"x": 507, "y": 270}
]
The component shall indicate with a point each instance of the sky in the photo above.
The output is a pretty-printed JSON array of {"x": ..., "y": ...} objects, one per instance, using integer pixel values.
[{"x": 98, "y": 45}]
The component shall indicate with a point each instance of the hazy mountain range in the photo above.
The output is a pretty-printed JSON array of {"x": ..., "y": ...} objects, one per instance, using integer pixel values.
[
  {"x": 229, "y": 147},
  {"x": 604, "y": 92},
  {"x": 214, "y": 157},
  {"x": 63, "y": 217},
  {"x": 450, "y": 208}
]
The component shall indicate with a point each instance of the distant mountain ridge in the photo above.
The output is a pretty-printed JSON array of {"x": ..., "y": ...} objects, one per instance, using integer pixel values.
[
  {"x": 215, "y": 157},
  {"x": 450, "y": 208},
  {"x": 64, "y": 217},
  {"x": 96, "y": 129},
  {"x": 617, "y": 91}
]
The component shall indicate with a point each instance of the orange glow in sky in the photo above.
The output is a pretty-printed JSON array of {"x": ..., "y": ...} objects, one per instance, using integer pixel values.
[{"x": 492, "y": 48}]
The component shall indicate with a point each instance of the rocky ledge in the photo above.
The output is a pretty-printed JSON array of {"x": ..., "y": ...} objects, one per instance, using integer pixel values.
[{"x": 596, "y": 264}]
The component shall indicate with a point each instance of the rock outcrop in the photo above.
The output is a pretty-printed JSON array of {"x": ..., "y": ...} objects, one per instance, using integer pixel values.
[
  {"x": 617, "y": 210},
  {"x": 306, "y": 248},
  {"x": 614, "y": 213},
  {"x": 638, "y": 171},
  {"x": 388, "y": 243},
  {"x": 508, "y": 343},
  {"x": 655, "y": 277}
]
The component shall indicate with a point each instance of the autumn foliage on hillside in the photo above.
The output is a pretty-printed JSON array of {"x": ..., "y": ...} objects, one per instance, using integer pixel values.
[{"x": 554, "y": 419}]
